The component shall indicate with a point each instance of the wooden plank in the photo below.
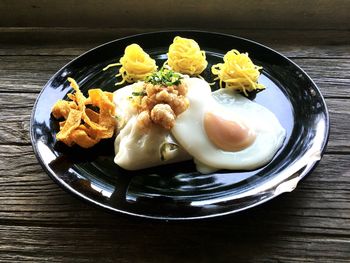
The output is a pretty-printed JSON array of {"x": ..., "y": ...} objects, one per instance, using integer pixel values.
[
  {"x": 165, "y": 14},
  {"x": 30, "y": 73},
  {"x": 141, "y": 244},
  {"x": 73, "y": 41},
  {"x": 339, "y": 119}
]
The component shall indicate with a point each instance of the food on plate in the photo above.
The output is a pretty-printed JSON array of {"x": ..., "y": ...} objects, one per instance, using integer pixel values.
[
  {"x": 225, "y": 130},
  {"x": 135, "y": 65},
  {"x": 167, "y": 116},
  {"x": 147, "y": 111},
  {"x": 160, "y": 99},
  {"x": 82, "y": 125},
  {"x": 219, "y": 130},
  {"x": 136, "y": 149},
  {"x": 185, "y": 56},
  {"x": 238, "y": 72}
]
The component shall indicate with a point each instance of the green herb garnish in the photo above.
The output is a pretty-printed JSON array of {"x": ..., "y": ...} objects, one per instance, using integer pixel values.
[
  {"x": 165, "y": 149},
  {"x": 142, "y": 93},
  {"x": 164, "y": 77}
]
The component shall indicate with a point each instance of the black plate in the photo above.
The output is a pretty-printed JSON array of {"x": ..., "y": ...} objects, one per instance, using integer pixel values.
[{"x": 178, "y": 191}]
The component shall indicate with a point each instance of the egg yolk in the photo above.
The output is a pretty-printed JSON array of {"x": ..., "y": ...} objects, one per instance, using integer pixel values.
[{"x": 227, "y": 135}]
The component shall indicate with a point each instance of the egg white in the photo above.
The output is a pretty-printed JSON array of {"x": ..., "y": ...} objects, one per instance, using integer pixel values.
[{"x": 190, "y": 133}]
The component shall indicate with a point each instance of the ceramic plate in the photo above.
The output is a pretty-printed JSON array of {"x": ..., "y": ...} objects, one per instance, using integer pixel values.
[{"x": 178, "y": 191}]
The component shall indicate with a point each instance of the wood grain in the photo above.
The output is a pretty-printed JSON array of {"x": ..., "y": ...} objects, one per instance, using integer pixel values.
[
  {"x": 75, "y": 41},
  {"x": 39, "y": 222},
  {"x": 170, "y": 13},
  {"x": 143, "y": 245}
]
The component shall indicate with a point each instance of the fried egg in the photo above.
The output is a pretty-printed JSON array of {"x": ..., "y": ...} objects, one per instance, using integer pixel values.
[{"x": 224, "y": 130}]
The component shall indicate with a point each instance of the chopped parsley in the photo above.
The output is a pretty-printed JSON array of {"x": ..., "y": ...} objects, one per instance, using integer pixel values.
[
  {"x": 164, "y": 77},
  {"x": 165, "y": 149},
  {"x": 142, "y": 93}
]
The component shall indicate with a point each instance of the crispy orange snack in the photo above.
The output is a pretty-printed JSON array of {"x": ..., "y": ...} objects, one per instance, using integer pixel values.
[
  {"x": 81, "y": 138},
  {"x": 84, "y": 126},
  {"x": 106, "y": 106},
  {"x": 62, "y": 108}
]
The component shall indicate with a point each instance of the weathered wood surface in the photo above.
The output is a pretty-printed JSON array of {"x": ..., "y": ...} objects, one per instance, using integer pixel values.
[
  {"x": 40, "y": 222},
  {"x": 320, "y": 14},
  {"x": 75, "y": 41}
]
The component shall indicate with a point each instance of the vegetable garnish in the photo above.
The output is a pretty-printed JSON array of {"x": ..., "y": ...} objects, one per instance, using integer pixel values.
[
  {"x": 142, "y": 93},
  {"x": 164, "y": 77},
  {"x": 165, "y": 150}
]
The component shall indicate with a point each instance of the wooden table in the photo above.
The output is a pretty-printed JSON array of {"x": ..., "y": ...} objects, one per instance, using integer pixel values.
[{"x": 41, "y": 222}]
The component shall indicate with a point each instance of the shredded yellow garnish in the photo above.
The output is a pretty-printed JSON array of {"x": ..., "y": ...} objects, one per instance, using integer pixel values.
[
  {"x": 135, "y": 64},
  {"x": 238, "y": 72},
  {"x": 185, "y": 56}
]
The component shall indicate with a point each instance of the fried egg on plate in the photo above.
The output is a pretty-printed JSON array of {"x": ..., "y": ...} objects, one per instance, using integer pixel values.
[{"x": 224, "y": 130}]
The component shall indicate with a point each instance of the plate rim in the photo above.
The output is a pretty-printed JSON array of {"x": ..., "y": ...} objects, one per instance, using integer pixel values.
[{"x": 73, "y": 192}]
